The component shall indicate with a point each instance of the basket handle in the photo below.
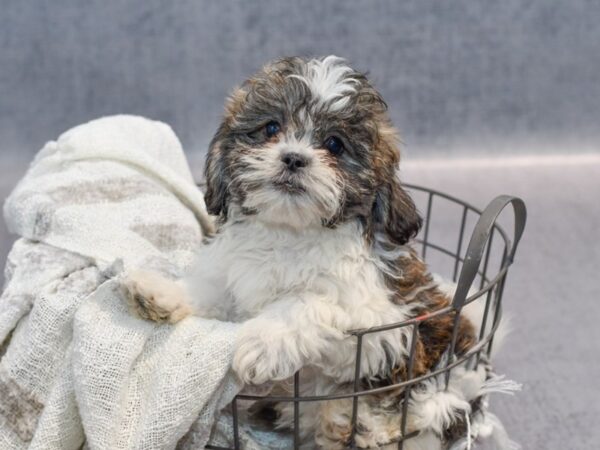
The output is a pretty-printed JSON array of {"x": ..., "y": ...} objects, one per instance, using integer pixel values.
[{"x": 480, "y": 237}]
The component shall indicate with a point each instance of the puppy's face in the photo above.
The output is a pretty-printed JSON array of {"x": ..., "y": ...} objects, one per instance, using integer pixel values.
[{"x": 308, "y": 143}]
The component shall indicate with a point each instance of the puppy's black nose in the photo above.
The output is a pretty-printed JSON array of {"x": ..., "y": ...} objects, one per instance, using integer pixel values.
[{"x": 294, "y": 161}]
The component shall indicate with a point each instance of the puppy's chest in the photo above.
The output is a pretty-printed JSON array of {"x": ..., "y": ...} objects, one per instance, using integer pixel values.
[{"x": 277, "y": 266}]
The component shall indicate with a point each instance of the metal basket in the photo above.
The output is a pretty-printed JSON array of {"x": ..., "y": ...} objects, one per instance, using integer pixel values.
[{"x": 469, "y": 269}]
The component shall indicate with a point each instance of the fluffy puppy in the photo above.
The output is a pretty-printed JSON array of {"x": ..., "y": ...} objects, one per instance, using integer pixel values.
[{"x": 312, "y": 242}]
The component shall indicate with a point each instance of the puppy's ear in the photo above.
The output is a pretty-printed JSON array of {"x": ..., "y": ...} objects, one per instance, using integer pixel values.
[
  {"x": 216, "y": 170},
  {"x": 394, "y": 211},
  {"x": 216, "y": 196}
]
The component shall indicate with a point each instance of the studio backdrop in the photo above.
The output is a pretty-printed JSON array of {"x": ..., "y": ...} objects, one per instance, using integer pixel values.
[{"x": 460, "y": 77}]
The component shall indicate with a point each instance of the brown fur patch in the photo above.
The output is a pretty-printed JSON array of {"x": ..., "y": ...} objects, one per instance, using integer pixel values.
[
  {"x": 434, "y": 335},
  {"x": 433, "y": 339},
  {"x": 146, "y": 308},
  {"x": 153, "y": 297}
]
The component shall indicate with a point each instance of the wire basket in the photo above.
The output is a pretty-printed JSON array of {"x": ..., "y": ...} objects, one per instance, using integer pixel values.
[{"x": 482, "y": 265}]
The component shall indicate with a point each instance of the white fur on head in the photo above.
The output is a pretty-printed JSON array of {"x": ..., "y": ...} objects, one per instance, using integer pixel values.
[{"x": 329, "y": 82}]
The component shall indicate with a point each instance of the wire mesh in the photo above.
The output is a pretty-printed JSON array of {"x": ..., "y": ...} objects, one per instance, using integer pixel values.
[{"x": 488, "y": 240}]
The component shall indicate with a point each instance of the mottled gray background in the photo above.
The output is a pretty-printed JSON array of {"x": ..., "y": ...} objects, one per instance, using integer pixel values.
[
  {"x": 511, "y": 81},
  {"x": 481, "y": 74}
]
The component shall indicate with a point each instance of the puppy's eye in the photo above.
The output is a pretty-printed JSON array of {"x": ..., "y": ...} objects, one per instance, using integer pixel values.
[
  {"x": 272, "y": 128},
  {"x": 334, "y": 145}
]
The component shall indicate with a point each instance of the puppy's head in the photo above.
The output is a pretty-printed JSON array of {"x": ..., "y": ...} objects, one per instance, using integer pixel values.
[{"x": 309, "y": 143}]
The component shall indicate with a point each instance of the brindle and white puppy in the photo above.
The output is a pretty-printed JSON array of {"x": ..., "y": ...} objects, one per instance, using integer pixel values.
[{"x": 314, "y": 226}]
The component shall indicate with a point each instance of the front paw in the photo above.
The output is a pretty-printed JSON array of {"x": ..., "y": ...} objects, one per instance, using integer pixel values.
[
  {"x": 257, "y": 360},
  {"x": 153, "y": 297}
]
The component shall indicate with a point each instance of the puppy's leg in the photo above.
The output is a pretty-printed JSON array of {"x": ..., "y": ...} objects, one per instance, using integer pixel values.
[
  {"x": 288, "y": 333},
  {"x": 154, "y": 297},
  {"x": 151, "y": 296}
]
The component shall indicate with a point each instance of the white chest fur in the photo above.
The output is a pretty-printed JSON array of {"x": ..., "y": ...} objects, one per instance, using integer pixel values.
[
  {"x": 329, "y": 275},
  {"x": 259, "y": 265}
]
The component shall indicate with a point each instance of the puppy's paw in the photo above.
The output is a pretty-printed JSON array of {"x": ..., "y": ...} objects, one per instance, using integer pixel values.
[
  {"x": 258, "y": 360},
  {"x": 154, "y": 297}
]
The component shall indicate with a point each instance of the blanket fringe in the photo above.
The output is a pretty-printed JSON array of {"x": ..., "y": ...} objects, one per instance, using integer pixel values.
[
  {"x": 499, "y": 384},
  {"x": 485, "y": 426}
]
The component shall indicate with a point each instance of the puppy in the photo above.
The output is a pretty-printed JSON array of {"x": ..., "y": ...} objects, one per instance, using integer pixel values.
[{"x": 313, "y": 241}]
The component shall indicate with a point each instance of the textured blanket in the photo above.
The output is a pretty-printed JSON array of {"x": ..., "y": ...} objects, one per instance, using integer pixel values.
[{"x": 75, "y": 366}]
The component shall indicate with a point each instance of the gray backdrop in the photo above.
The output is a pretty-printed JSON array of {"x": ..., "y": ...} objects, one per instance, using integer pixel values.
[
  {"x": 462, "y": 78},
  {"x": 458, "y": 75}
]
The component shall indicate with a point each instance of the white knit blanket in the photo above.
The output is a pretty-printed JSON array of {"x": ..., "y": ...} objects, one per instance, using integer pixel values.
[{"x": 76, "y": 367}]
